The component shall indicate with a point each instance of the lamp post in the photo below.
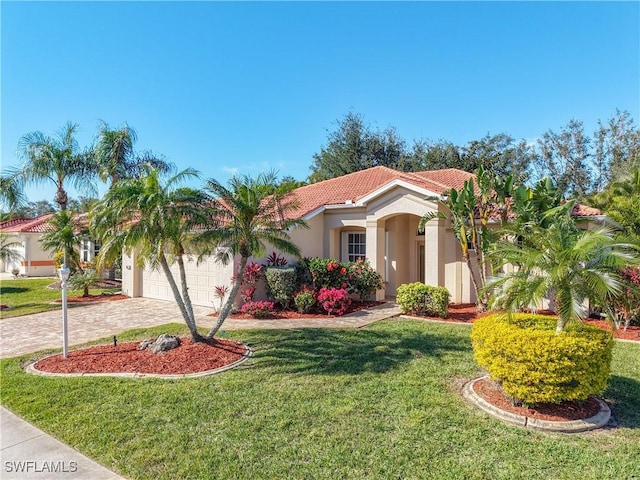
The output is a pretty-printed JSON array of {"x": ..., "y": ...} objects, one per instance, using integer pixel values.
[{"x": 63, "y": 273}]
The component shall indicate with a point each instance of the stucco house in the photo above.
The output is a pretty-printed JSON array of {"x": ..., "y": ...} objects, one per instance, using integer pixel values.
[
  {"x": 37, "y": 262},
  {"x": 372, "y": 214}
]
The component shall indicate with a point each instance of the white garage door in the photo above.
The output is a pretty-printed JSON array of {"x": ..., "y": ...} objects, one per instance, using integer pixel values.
[{"x": 201, "y": 280}]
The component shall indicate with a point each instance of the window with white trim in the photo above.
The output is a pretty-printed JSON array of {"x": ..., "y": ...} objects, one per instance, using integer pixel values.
[
  {"x": 356, "y": 246},
  {"x": 85, "y": 249}
]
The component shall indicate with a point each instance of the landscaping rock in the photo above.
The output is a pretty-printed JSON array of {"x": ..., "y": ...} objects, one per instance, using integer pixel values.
[{"x": 161, "y": 344}]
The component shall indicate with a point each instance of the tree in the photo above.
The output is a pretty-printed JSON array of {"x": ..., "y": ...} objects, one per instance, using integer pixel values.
[
  {"x": 250, "y": 214},
  {"x": 115, "y": 157},
  {"x": 500, "y": 155},
  {"x": 354, "y": 147},
  {"x": 430, "y": 155},
  {"x": 8, "y": 252},
  {"x": 64, "y": 238},
  {"x": 157, "y": 218},
  {"x": 564, "y": 158},
  {"x": 56, "y": 159},
  {"x": 469, "y": 210},
  {"x": 621, "y": 202},
  {"x": 561, "y": 262},
  {"x": 617, "y": 149}
]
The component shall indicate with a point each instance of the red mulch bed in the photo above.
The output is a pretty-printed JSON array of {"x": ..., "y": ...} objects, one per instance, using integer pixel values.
[
  {"x": 95, "y": 298},
  {"x": 632, "y": 332},
  {"x": 564, "y": 411},
  {"x": 467, "y": 313},
  {"x": 355, "y": 306},
  {"x": 189, "y": 357}
]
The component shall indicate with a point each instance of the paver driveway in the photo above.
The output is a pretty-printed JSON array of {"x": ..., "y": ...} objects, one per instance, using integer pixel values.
[{"x": 30, "y": 333}]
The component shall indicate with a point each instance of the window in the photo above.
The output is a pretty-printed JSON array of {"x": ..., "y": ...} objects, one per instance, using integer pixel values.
[
  {"x": 356, "y": 246},
  {"x": 96, "y": 248},
  {"x": 84, "y": 250}
]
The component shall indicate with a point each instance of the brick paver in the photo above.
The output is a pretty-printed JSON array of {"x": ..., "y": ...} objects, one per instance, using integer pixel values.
[{"x": 30, "y": 333}]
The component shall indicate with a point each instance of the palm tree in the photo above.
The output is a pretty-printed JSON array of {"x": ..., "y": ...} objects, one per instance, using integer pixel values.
[
  {"x": 561, "y": 262},
  {"x": 56, "y": 159},
  {"x": 115, "y": 157},
  {"x": 251, "y": 214},
  {"x": 64, "y": 238},
  {"x": 157, "y": 218}
]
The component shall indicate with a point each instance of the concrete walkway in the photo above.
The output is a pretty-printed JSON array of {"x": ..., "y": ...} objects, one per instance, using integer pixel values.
[{"x": 27, "y": 452}]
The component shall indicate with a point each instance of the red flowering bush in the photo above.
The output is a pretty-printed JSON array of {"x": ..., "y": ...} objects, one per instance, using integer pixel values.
[
  {"x": 261, "y": 309},
  {"x": 329, "y": 273},
  {"x": 627, "y": 304},
  {"x": 334, "y": 300}
]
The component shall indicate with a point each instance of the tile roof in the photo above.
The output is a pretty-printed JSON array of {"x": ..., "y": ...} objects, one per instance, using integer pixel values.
[
  {"x": 41, "y": 224},
  {"x": 357, "y": 185},
  {"x": 27, "y": 225},
  {"x": 585, "y": 211}
]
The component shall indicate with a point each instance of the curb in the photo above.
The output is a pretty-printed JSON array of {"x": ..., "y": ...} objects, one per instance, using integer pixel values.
[
  {"x": 31, "y": 368},
  {"x": 599, "y": 420}
]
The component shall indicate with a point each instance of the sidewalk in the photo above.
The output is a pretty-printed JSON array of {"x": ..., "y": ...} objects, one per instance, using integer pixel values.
[{"x": 27, "y": 452}]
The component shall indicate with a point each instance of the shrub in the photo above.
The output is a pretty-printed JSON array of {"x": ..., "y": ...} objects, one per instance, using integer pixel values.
[
  {"x": 281, "y": 284},
  {"x": 364, "y": 279},
  {"x": 328, "y": 273},
  {"x": 260, "y": 309},
  {"x": 419, "y": 298},
  {"x": 334, "y": 300},
  {"x": 84, "y": 281},
  {"x": 276, "y": 260},
  {"x": 304, "y": 300},
  {"x": 534, "y": 364}
]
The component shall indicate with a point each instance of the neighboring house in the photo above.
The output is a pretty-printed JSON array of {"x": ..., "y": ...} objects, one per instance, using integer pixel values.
[
  {"x": 372, "y": 214},
  {"x": 37, "y": 262}
]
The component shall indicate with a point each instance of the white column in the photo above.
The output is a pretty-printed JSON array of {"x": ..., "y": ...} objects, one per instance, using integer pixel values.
[
  {"x": 375, "y": 238},
  {"x": 434, "y": 253}
]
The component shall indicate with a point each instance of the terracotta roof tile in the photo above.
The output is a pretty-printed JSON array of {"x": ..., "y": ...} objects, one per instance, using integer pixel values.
[
  {"x": 28, "y": 225},
  {"x": 585, "y": 211},
  {"x": 354, "y": 186}
]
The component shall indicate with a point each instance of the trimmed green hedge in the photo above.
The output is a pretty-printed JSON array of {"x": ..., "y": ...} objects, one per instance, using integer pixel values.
[
  {"x": 534, "y": 364},
  {"x": 423, "y": 299},
  {"x": 281, "y": 284}
]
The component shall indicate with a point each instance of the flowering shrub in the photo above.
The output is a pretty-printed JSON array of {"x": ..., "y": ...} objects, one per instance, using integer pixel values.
[
  {"x": 364, "y": 279},
  {"x": 334, "y": 300},
  {"x": 627, "y": 304},
  {"x": 328, "y": 273},
  {"x": 305, "y": 300},
  {"x": 261, "y": 309}
]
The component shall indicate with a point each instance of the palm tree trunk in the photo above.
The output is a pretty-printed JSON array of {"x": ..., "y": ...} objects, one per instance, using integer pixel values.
[
  {"x": 226, "y": 309},
  {"x": 480, "y": 300},
  {"x": 176, "y": 293},
  {"x": 185, "y": 294}
]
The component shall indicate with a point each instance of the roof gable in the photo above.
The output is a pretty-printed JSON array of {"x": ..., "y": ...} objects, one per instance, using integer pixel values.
[{"x": 360, "y": 186}]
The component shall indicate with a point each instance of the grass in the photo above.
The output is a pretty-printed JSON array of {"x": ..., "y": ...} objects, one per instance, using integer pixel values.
[
  {"x": 376, "y": 403},
  {"x": 31, "y": 295}
]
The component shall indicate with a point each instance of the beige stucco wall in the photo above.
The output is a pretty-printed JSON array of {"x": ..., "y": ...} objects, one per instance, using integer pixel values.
[
  {"x": 390, "y": 222},
  {"x": 35, "y": 262}
]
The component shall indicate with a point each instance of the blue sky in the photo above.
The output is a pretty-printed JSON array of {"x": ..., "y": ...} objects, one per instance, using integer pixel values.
[{"x": 244, "y": 87}]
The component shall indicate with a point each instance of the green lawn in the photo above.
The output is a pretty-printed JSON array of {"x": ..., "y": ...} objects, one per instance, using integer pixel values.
[
  {"x": 374, "y": 403},
  {"x": 31, "y": 295}
]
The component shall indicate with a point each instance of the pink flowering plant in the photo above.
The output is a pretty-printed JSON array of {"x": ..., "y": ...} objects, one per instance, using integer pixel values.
[
  {"x": 334, "y": 301},
  {"x": 258, "y": 309}
]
